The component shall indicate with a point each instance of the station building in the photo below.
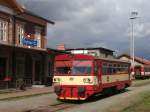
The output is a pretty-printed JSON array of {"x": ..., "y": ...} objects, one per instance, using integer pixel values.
[
  {"x": 138, "y": 61},
  {"x": 23, "y": 44},
  {"x": 97, "y": 52}
]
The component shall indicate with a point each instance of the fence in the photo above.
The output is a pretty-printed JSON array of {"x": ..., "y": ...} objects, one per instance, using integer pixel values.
[{"x": 26, "y": 82}]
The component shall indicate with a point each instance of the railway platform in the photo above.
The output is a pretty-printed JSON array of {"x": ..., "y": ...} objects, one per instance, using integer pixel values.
[{"x": 33, "y": 91}]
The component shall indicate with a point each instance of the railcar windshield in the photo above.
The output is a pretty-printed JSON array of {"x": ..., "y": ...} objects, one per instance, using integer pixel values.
[
  {"x": 81, "y": 70},
  {"x": 74, "y": 67},
  {"x": 82, "y": 67}
]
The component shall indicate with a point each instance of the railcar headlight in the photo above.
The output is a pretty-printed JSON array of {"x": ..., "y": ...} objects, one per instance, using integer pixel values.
[
  {"x": 87, "y": 80},
  {"x": 56, "y": 80}
]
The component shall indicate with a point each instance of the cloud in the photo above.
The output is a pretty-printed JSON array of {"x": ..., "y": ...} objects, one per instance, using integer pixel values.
[{"x": 95, "y": 23}]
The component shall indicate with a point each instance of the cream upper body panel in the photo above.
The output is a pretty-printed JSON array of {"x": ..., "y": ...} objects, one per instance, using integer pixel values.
[
  {"x": 75, "y": 80},
  {"x": 89, "y": 80},
  {"x": 114, "y": 78}
]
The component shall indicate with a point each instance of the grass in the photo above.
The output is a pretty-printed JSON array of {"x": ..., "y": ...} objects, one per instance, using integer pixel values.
[
  {"x": 26, "y": 96},
  {"x": 137, "y": 83},
  {"x": 142, "y": 105}
]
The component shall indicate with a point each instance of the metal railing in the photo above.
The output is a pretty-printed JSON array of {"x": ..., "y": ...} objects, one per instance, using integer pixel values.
[{"x": 27, "y": 82}]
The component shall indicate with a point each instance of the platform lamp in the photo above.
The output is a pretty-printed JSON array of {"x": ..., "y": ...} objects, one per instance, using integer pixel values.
[{"x": 134, "y": 15}]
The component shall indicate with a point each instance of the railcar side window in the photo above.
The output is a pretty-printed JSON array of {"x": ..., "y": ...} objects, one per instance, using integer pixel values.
[
  {"x": 112, "y": 69},
  {"x": 109, "y": 71},
  {"x": 95, "y": 68},
  {"x": 148, "y": 70},
  {"x": 122, "y": 69},
  {"x": 104, "y": 69}
]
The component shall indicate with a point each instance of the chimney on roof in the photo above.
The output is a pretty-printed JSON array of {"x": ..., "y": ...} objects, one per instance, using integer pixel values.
[
  {"x": 23, "y": 4},
  {"x": 61, "y": 47}
]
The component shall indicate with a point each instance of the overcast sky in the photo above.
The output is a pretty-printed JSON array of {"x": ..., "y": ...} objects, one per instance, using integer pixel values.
[{"x": 95, "y": 23}]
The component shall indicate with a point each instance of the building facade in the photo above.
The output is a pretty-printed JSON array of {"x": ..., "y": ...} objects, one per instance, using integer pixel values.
[
  {"x": 97, "y": 52},
  {"x": 22, "y": 45},
  {"x": 51, "y": 53},
  {"x": 137, "y": 60}
]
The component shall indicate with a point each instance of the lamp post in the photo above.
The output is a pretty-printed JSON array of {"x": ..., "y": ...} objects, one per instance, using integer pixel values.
[{"x": 132, "y": 49}]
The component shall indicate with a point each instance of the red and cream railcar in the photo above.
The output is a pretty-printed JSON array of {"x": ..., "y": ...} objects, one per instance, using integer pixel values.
[
  {"x": 142, "y": 72},
  {"x": 80, "y": 76}
]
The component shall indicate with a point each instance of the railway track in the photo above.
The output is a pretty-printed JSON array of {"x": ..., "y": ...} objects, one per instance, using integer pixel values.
[
  {"x": 53, "y": 108},
  {"x": 67, "y": 105}
]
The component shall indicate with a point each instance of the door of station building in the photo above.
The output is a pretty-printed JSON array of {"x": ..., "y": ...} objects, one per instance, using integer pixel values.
[
  {"x": 28, "y": 67},
  {"x": 20, "y": 68},
  {"x": 37, "y": 71},
  {"x": 2, "y": 68}
]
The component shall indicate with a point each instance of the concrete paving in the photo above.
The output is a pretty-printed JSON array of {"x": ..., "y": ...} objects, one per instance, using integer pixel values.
[
  {"x": 28, "y": 92},
  {"x": 27, "y": 104},
  {"x": 98, "y": 104},
  {"x": 113, "y": 103}
]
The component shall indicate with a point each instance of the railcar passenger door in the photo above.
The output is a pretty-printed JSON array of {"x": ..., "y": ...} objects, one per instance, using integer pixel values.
[{"x": 98, "y": 67}]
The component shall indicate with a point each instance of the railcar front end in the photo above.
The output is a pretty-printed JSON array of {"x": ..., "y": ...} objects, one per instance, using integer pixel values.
[{"x": 74, "y": 79}]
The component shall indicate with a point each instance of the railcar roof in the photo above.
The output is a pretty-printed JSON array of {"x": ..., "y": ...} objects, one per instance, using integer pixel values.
[
  {"x": 114, "y": 60},
  {"x": 74, "y": 56},
  {"x": 86, "y": 57}
]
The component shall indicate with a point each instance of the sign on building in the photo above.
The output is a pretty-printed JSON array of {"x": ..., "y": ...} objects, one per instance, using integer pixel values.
[{"x": 29, "y": 42}]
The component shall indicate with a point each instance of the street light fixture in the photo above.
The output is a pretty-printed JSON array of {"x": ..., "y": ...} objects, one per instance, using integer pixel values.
[{"x": 132, "y": 49}]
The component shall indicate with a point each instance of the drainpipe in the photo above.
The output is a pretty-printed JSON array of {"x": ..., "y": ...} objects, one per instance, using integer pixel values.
[
  {"x": 14, "y": 78},
  {"x": 13, "y": 51}
]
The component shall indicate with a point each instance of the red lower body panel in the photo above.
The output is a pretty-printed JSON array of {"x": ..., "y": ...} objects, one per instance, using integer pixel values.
[
  {"x": 79, "y": 92},
  {"x": 118, "y": 84},
  {"x": 74, "y": 92}
]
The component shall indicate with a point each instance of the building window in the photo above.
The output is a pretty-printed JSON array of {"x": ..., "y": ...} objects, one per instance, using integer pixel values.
[
  {"x": 3, "y": 30},
  {"x": 38, "y": 36},
  {"x": 20, "y": 33}
]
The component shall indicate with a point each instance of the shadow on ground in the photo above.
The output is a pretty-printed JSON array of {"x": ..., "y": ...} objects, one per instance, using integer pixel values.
[
  {"x": 64, "y": 104},
  {"x": 94, "y": 98}
]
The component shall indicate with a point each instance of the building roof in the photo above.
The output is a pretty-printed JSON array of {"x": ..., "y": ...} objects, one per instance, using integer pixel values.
[
  {"x": 17, "y": 7},
  {"x": 95, "y": 48},
  {"x": 138, "y": 59},
  {"x": 12, "y": 4},
  {"x": 35, "y": 15}
]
